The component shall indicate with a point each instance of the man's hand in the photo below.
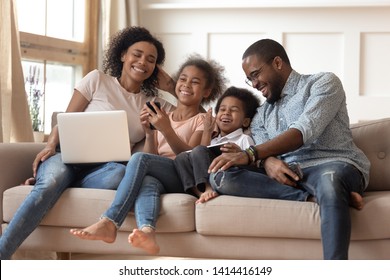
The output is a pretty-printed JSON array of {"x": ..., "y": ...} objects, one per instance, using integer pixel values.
[
  {"x": 279, "y": 171},
  {"x": 227, "y": 160}
]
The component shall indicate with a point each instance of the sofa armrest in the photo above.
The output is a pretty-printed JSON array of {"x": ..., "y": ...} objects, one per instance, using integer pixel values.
[
  {"x": 373, "y": 138},
  {"x": 15, "y": 165}
]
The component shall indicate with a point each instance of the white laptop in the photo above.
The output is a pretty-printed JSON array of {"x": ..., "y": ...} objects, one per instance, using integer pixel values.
[{"x": 94, "y": 137}]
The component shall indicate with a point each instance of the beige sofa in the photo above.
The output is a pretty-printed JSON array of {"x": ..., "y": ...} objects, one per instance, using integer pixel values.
[{"x": 226, "y": 227}]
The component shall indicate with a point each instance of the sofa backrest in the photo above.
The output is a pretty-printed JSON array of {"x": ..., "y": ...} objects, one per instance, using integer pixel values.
[{"x": 373, "y": 138}]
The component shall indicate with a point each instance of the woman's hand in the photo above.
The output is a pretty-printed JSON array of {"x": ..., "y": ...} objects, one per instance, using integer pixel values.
[
  {"x": 43, "y": 155},
  {"x": 164, "y": 81}
]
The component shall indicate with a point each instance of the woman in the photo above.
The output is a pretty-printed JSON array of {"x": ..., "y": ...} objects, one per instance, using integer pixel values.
[{"x": 129, "y": 79}]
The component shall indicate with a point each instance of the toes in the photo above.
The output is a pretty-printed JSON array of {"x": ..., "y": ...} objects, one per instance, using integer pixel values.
[{"x": 78, "y": 232}]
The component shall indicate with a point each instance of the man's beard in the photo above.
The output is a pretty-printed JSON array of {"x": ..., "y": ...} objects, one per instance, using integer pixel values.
[{"x": 275, "y": 90}]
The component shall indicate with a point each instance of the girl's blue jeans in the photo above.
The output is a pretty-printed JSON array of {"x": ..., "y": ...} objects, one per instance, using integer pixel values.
[{"x": 147, "y": 177}]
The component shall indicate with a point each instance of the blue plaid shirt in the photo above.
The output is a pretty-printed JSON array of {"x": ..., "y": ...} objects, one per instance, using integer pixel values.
[{"x": 316, "y": 106}]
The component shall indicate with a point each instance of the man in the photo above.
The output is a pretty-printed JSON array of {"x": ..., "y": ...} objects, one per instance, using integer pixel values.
[{"x": 303, "y": 120}]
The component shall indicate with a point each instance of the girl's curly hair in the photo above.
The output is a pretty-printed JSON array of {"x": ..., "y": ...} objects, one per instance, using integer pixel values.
[
  {"x": 119, "y": 44},
  {"x": 213, "y": 72}
]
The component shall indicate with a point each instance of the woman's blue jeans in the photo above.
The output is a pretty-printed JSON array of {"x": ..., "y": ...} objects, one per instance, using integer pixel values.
[
  {"x": 53, "y": 177},
  {"x": 331, "y": 183},
  {"x": 147, "y": 176}
]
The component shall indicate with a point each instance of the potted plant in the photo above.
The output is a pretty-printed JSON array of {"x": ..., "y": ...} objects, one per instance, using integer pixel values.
[{"x": 35, "y": 100}]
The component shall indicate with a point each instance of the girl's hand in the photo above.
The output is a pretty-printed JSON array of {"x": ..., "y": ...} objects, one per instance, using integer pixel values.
[{"x": 159, "y": 119}]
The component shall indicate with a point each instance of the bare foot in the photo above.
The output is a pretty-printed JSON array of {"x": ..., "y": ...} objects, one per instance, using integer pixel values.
[
  {"x": 311, "y": 198},
  {"x": 104, "y": 230},
  {"x": 356, "y": 200},
  {"x": 144, "y": 239},
  {"x": 206, "y": 196}
]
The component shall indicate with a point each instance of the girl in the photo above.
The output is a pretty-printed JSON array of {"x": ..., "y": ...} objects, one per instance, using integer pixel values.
[{"x": 153, "y": 172}]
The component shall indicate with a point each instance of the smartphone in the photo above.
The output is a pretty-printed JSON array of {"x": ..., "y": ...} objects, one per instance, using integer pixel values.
[
  {"x": 216, "y": 149},
  {"x": 294, "y": 166},
  {"x": 152, "y": 108}
]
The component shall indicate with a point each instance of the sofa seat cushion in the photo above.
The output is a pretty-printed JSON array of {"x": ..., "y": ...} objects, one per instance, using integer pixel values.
[
  {"x": 81, "y": 207},
  {"x": 254, "y": 217}
]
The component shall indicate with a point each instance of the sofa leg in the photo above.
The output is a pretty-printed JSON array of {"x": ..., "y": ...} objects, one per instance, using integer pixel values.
[{"x": 64, "y": 255}]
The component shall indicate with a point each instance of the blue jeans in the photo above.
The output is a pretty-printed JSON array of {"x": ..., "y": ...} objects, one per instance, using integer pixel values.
[
  {"x": 53, "y": 177},
  {"x": 331, "y": 183},
  {"x": 147, "y": 176},
  {"x": 244, "y": 182}
]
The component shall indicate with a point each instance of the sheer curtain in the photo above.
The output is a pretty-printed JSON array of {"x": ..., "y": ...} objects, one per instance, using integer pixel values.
[
  {"x": 114, "y": 16},
  {"x": 14, "y": 113}
]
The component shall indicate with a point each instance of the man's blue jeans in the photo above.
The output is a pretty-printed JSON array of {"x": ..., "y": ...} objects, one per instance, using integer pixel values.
[
  {"x": 147, "y": 176},
  {"x": 331, "y": 183},
  {"x": 53, "y": 177}
]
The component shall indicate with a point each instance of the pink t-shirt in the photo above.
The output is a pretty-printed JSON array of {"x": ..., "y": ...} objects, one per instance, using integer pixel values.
[
  {"x": 105, "y": 93},
  {"x": 183, "y": 129}
]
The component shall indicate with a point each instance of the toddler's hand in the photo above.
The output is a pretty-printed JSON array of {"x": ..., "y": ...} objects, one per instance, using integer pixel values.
[
  {"x": 231, "y": 148},
  {"x": 209, "y": 121}
]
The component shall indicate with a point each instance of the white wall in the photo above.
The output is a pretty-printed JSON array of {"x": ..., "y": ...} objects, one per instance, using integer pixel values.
[{"x": 349, "y": 38}]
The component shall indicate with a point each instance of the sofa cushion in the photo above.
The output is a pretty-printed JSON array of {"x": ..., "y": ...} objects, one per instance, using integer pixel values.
[
  {"x": 373, "y": 138},
  {"x": 254, "y": 217},
  {"x": 79, "y": 207}
]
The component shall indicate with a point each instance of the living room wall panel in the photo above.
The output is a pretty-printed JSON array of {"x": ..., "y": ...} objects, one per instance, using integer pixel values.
[
  {"x": 227, "y": 48},
  {"x": 177, "y": 47},
  {"x": 350, "y": 40},
  {"x": 375, "y": 61},
  {"x": 304, "y": 49}
]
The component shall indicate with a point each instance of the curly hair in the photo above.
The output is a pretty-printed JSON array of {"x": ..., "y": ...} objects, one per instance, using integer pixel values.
[
  {"x": 118, "y": 45},
  {"x": 250, "y": 101},
  {"x": 213, "y": 72}
]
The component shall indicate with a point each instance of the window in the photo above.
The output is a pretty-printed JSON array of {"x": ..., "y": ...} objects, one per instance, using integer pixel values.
[{"x": 58, "y": 41}]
